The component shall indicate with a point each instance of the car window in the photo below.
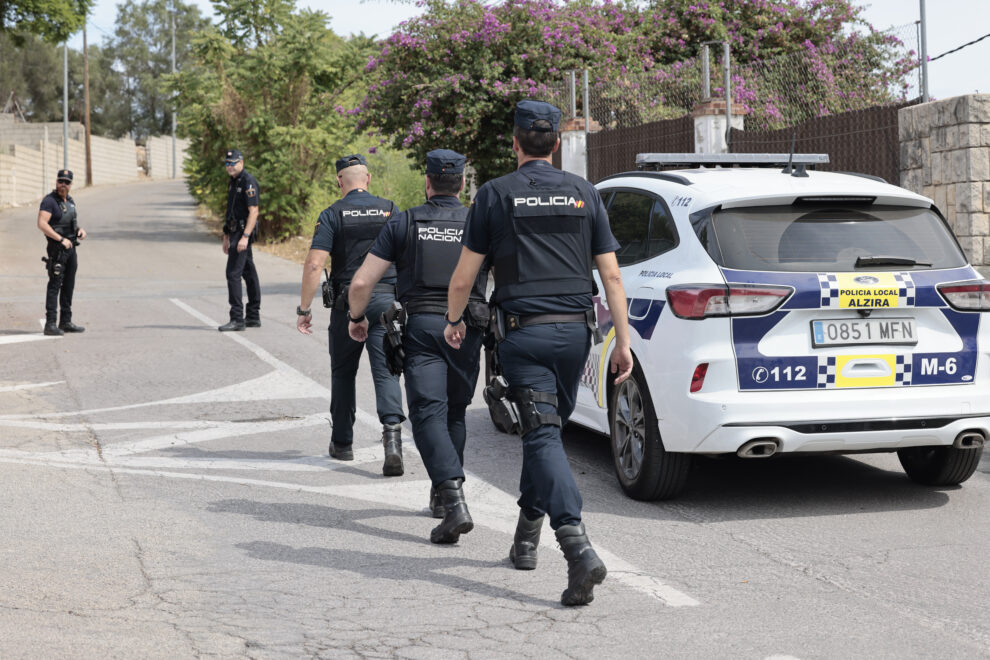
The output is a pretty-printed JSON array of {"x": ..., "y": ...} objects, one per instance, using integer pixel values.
[
  {"x": 629, "y": 215},
  {"x": 819, "y": 238},
  {"x": 663, "y": 236}
]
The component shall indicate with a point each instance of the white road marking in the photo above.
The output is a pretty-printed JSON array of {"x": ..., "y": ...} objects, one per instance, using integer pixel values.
[
  {"x": 27, "y": 386},
  {"x": 493, "y": 507},
  {"x": 20, "y": 339}
]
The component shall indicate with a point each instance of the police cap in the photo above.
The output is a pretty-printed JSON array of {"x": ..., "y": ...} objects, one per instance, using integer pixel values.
[
  {"x": 347, "y": 161},
  {"x": 233, "y": 155},
  {"x": 529, "y": 113},
  {"x": 444, "y": 161},
  {"x": 64, "y": 175}
]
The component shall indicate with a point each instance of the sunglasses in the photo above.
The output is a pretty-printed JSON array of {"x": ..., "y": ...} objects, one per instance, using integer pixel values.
[
  {"x": 230, "y": 163},
  {"x": 65, "y": 181}
]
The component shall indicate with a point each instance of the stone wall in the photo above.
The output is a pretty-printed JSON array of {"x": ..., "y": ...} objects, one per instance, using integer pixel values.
[
  {"x": 945, "y": 155},
  {"x": 31, "y": 154},
  {"x": 159, "y": 156}
]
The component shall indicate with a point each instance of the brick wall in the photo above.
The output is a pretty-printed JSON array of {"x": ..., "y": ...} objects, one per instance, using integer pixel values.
[{"x": 945, "y": 155}]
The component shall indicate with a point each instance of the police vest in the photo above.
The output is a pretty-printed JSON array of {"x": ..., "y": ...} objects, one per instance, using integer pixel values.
[
  {"x": 433, "y": 247},
  {"x": 359, "y": 227},
  {"x": 546, "y": 249},
  {"x": 65, "y": 225}
]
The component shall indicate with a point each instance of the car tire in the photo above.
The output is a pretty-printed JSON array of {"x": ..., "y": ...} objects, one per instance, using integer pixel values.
[
  {"x": 939, "y": 466},
  {"x": 646, "y": 470}
]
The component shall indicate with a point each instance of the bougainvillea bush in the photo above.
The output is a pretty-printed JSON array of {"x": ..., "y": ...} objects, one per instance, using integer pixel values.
[{"x": 452, "y": 76}]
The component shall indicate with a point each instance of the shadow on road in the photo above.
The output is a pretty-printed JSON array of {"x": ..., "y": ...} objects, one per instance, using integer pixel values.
[
  {"x": 368, "y": 564},
  {"x": 721, "y": 489}
]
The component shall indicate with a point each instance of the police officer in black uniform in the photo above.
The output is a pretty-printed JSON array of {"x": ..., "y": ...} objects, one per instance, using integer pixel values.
[
  {"x": 345, "y": 232},
  {"x": 57, "y": 221},
  {"x": 424, "y": 243},
  {"x": 239, "y": 227},
  {"x": 544, "y": 230}
]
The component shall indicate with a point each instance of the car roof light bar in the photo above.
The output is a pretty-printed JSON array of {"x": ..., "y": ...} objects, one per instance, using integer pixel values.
[{"x": 658, "y": 161}]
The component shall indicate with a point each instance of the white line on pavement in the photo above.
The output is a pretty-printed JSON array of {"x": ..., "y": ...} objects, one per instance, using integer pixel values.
[
  {"x": 28, "y": 386},
  {"x": 19, "y": 339}
]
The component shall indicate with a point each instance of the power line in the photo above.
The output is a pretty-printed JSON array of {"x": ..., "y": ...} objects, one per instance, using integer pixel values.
[{"x": 949, "y": 52}]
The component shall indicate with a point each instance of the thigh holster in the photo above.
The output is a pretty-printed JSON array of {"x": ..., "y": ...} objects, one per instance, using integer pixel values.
[{"x": 529, "y": 417}]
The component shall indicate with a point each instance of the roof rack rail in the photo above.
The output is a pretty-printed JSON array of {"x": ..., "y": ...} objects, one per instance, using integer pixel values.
[
  {"x": 647, "y": 161},
  {"x": 666, "y": 176}
]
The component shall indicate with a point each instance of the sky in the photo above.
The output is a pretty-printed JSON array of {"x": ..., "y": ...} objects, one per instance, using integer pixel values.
[{"x": 951, "y": 23}]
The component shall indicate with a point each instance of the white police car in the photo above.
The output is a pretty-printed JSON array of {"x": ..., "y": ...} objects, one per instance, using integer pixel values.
[{"x": 786, "y": 311}]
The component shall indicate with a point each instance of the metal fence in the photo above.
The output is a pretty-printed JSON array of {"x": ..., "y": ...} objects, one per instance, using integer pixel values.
[{"x": 650, "y": 111}]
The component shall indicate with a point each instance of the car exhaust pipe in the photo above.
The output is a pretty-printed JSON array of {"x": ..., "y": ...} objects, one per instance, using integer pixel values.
[
  {"x": 759, "y": 448},
  {"x": 970, "y": 439}
]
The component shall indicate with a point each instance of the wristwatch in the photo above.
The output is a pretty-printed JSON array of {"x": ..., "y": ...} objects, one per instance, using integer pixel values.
[
  {"x": 303, "y": 312},
  {"x": 453, "y": 323},
  {"x": 359, "y": 319}
]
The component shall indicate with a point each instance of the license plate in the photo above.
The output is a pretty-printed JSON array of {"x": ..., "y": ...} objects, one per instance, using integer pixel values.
[{"x": 848, "y": 332}]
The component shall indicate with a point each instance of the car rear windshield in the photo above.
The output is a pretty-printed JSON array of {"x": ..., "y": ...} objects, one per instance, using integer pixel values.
[{"x": 833, "y": 238}]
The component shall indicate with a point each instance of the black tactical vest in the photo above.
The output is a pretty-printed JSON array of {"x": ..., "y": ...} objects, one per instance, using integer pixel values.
[
  {"x": 547, "y": 246},
  {"x": 65, "y": 224},
  {"x": 433, "y": 247},
  {"x": 358, "y": 229}
]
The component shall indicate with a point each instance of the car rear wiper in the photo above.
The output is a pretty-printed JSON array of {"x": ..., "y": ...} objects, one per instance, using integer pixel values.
[{"x": 888, "y": 261}]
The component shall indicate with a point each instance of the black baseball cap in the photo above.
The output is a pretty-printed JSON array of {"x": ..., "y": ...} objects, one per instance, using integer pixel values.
[
  {"x": 444, "y": 161},
  {"x": 233, "y": 154},
  {"x": 348, "y": 161},
  {"x": 64, "y": 175},
  {"x": 531, "y": 114}
]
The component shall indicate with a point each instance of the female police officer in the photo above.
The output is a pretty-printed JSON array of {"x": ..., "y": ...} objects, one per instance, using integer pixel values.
[
  {"x": 424, "y": 243},
  {"x": 543, "y": 229}
]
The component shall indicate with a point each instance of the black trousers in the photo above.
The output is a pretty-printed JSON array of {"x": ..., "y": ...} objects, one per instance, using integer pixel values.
[
  {"x": 60, "y": 287},
  {"x": 241, "y": 264},
  {"x": 440, "y": 382}
]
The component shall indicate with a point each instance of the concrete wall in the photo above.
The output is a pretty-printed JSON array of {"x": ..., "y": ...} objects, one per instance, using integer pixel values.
[
  {"x": 29, "y": 161},
  {"x": 945, "y": 155},
  {"x": 159, "y": 157}
]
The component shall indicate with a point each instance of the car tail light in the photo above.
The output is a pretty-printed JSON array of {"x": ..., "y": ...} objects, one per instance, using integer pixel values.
[
  {"x": 698, "y": 379},
  {"x": 967, "y": 296},
  {"x": 700, "y": 301}
]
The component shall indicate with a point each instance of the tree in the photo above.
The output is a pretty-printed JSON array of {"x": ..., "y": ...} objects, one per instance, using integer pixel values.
[
  {"x": 33, "y": 72},
  {"x": 141, "y": 49},
  {"x": 452, "y": 76},
  {"x": 272, "y": 82},
  {"x": 52, "y": 20}
]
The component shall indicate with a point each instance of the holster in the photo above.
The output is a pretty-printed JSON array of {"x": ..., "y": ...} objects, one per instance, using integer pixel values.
[
  {"x": 394, "y": 321},
  {"x": 504, "y": 414},
  {"x": 340, "y": 298},
  {"x": 56, "y": 265},
  {"x": 327, "y": 288},
  {"x": 497, "y": 324}
]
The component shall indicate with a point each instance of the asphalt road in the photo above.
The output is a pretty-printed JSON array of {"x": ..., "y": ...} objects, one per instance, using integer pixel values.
[{"x": 166, "y": 493}]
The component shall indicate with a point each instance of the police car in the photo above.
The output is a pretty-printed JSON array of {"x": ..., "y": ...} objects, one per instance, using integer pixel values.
[{"x": 779, "y": 310}]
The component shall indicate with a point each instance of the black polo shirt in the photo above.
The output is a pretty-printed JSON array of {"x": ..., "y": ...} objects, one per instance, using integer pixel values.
[{"x": 242, "y": 193}]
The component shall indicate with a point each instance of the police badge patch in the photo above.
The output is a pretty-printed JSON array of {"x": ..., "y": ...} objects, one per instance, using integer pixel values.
[{"x": 251, "y": 191}]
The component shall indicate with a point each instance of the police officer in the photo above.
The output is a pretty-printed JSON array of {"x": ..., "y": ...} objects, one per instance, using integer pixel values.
[
  {"x": 345, "y": 232},
  {"x": 424, "y": 244},
  {"x": 239, "y": 227},
  {"x": 544, "y": 230},
  {"x": 57, "y": 221}
]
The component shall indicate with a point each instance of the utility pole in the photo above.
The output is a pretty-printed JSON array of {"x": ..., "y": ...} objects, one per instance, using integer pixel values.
[
  {"x": 65, "y": 105},
  {"x": 89, "y": 155},
  {"x": 924, "y": 53},
  {"x": 174, "y": 149}
]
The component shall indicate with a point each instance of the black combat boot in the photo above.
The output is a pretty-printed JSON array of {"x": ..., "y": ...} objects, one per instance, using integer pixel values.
[
  {"x": 53, "y": 330},
  {"x": 436, "y": 506},
  {"x": 456, "y": 519},
  {"x": 392, "y": 441},
  {"x": 69, "y": 326},
  {"x": 523, "y": 550},
  {"x": 584, "y": 568}
]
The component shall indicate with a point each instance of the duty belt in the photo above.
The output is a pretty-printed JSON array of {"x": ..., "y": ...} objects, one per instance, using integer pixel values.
[
  {"x": 425, "y": 307},
  {"x": 515, "y": 321}
]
